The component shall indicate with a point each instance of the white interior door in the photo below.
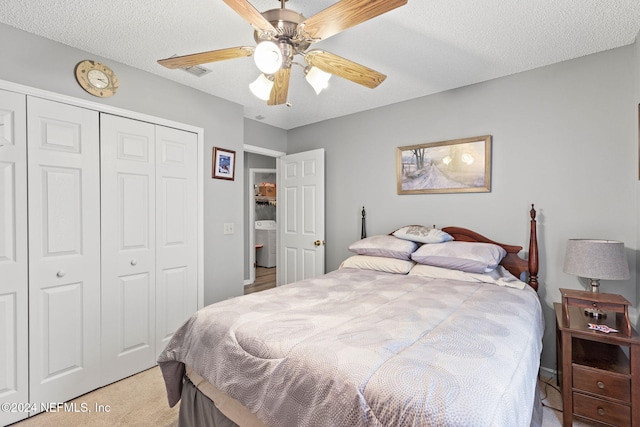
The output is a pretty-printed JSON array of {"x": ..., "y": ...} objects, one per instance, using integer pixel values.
[
  {"x": 14, "y": 374},
  {"x": 177, "y": 231},
  {"x": 300, "y": 216},
  {"x": 64, "y": 250},
  {"x": 128, "y": 246}
]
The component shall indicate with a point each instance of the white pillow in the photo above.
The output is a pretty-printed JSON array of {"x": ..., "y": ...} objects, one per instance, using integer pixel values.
[
  {"x": 384, "y": 246},
  {"x": 472, "y": 257},
  {"x": 499, "y": 276},
  {"x": 389, "y": 265},
  {"x": 422, "y": 234}
]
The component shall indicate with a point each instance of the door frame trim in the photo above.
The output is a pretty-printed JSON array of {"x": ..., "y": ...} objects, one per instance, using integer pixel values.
[{"x": 251, "y": 205}]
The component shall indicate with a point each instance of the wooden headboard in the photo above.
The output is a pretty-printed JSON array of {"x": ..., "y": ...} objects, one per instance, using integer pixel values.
[{"x": 512, "y": 261}]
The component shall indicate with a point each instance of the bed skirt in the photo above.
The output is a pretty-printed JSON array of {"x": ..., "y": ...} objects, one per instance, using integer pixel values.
[
  {"x": 205, "y": 405},
  {"x": 197, "y": 407}
]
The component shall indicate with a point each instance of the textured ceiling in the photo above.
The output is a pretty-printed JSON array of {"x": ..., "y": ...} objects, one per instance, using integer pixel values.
[{"x": 424, "y": 47}]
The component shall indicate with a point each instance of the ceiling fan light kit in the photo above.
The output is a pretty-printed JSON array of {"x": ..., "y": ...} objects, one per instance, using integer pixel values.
[
  {"x": 317, "y": 78},
  {"x": 268, "y": 57},
  {"x": 262, "y": 86},
  {"x": 282, "y": 33}
]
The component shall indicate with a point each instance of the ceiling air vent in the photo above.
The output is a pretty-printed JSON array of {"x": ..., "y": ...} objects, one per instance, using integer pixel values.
[{"x": 197, "y": 70}]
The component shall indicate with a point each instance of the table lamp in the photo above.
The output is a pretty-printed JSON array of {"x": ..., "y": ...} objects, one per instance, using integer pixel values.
[{"x": 596, "y": 259}]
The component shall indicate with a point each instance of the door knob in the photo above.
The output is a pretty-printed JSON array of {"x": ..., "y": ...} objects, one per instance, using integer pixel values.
[{"x": 318, "y": 242}]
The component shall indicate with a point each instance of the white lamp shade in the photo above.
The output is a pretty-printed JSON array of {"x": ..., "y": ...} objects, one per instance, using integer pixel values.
[
  {"x": 318, "y": 79},
  {"x": 261, "y": 87},
  {"x": 268, "y": 57},
  {"x": 596, "y": 259}
]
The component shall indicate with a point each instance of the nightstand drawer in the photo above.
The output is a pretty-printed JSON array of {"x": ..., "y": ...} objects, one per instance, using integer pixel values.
[
  {"x": 600, "y": 410},
  {"x": 602, "y": 383}
]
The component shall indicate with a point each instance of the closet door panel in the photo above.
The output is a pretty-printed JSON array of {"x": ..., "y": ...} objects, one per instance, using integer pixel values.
[
  {"x": 64, "y": 250},
  {"x": 14, "y": 379},
  {"x": 128, "y": 246},
  {"x": 176, "y": 216}
]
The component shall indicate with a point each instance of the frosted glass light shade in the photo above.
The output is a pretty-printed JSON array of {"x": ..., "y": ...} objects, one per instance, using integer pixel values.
[
  {"x": 268, "y": 57},
  {"x": 261, "y": 87},
  {"x": 318, "y": 79}
]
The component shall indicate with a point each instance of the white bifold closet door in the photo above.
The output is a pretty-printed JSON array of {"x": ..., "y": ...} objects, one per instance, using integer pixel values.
[
  {"x": 64, "y": 250},
  {"x": 14, "y": 356},
  {"x": 128, "y": 246},
  {"x": 176, "y": 231},
  {"x": 149, "y": 240}
]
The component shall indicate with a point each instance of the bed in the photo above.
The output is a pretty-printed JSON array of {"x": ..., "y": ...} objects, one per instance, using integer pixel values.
[{"x": 388, "y": 339}]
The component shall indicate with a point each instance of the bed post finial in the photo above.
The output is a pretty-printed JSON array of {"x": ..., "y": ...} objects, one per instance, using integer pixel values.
[
  {"x": 363, "y": 231},
  {"x": 533, "y": 250}
]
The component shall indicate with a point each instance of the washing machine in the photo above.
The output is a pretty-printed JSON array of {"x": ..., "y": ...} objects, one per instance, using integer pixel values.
[{"x": 266, "y": 236}]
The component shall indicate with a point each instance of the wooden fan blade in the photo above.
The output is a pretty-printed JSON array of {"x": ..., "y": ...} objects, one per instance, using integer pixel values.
[
  {"x": 344, "y": 14},
  {"x": 204, "y": 57},
  {"x": 344, "y": 68},
  {"x": 251, "y": 15},
  {"x": 280, "y": 88}
]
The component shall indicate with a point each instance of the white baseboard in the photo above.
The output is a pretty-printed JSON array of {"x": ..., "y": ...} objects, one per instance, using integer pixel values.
[{"x": 548, "y": 372}]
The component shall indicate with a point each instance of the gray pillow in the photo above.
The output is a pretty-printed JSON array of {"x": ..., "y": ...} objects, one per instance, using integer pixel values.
[
  {"x": 466, "y": 256},
  {"x": 384, "y": 246},
  {"x": 422, "y": 234}
]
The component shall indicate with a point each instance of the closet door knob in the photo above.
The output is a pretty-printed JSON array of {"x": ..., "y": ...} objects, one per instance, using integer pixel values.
[
  {"x": 61, "y": 273},
  {"x": 134, "y": 261}
]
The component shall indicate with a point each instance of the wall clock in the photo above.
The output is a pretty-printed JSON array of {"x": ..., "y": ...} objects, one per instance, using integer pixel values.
[{"x": 96, "y": 78}]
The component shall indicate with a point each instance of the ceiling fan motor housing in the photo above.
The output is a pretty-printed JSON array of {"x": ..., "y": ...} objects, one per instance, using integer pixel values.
[{"x": 285, "y": 21}]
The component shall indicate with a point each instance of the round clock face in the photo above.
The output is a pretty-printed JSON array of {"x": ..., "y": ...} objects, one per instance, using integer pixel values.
[{"x": 96, "y": 78}]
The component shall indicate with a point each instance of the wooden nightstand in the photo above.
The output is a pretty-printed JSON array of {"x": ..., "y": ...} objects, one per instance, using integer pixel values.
[{"x": 599, "y": 373}]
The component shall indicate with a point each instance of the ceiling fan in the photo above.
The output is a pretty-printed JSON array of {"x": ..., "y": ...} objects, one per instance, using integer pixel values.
[{"x": 282, "y": 33}]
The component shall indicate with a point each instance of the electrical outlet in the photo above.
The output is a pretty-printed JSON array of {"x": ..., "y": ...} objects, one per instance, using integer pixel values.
[{"x": 228, "y": 228}]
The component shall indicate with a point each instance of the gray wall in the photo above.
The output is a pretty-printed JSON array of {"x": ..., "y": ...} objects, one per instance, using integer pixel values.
[
  {"x": 43, "y": 64},
  {"x": 262, "y": 135},
  {"x": 564, "y": 138}
]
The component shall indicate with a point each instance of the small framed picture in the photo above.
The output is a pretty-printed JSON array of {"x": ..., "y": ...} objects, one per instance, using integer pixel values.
[{"x": 224, "y": 164}]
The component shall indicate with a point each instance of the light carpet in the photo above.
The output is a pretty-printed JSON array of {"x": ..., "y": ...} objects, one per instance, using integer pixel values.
[{"x": 140, "y": 400}]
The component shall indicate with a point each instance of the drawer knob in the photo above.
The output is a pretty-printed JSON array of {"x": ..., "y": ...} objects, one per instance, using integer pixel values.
[
  {"x": 600, "y": 384},
  {"x": 134, "y": 261},
  {"x": 601, "y": 411},
  {"x": 61, "y": 273}
]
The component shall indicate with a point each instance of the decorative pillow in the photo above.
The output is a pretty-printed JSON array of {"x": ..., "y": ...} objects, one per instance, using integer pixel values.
[
  {"x": 466, "y": 256},
  {"x": 389, "y": 265},
  {"x": 422, "y": 234},
  {"x": 499, "y": 276},
  {"x": 384, "y": 246}
]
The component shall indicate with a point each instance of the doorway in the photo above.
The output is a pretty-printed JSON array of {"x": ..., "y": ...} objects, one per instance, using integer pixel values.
[
  {"x": 263, "y": 227},
  {"x": 260, "y": 167}
]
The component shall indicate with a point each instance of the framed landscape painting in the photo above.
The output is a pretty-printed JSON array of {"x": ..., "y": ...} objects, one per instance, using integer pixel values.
[{"x": 456, "y": 166}]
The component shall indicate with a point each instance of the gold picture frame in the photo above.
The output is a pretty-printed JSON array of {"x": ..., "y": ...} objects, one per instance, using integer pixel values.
[{"x": 455, "y": 166}]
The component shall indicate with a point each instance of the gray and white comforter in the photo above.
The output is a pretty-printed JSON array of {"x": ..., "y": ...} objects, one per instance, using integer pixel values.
[{"x": 366, "y": 348}]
